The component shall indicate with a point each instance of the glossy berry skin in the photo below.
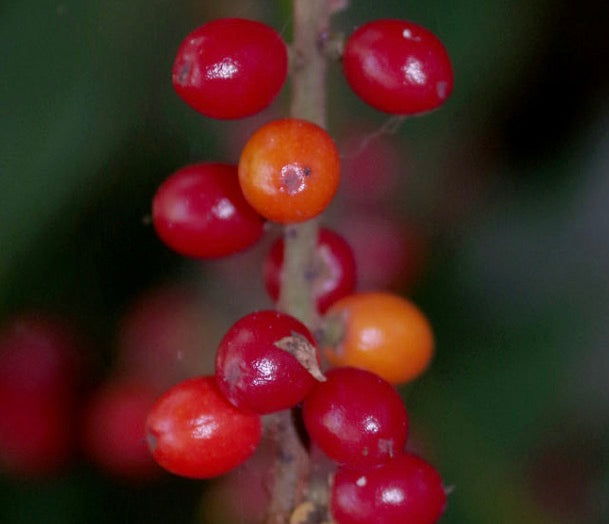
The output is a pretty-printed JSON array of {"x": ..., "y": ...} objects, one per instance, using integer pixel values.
[
  {"x": 199, "y": 211},
  {"x": 114, "y": 433},
  {"x": 356, "y": 417},
  {"x": 404, "y": 490},
  {"x": 253, "y": 372},
  {"x": 230, "y": 68},
  {"x": 289, "y": 170},
  {"x": 397, "y": 67},
  {"x": 193, "y": 431},
  {"x": 383, "y": 333},
  {"x": 334, "y": 269}
]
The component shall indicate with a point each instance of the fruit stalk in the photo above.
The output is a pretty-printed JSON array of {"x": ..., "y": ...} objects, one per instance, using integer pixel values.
[{"x": 308, "y": 70}]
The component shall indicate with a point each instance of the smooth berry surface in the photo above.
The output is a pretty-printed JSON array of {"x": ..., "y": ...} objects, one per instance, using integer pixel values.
[
  {"x": 254, "y": 373},
  {"x": 383, "y": 333},
  {"x": 398, "y": 67},
  {"x": 230, "y": 68},
  {"x": 334, "y": 269},
  {"x": 356, "y": 417},
  {"x": 404, "y": 490},
  {"x": 200, "y": 212},
  {"x": 289, "y": 170},
  {"x": 193, "y": 431},
  {"x": 114, "y": 433}
]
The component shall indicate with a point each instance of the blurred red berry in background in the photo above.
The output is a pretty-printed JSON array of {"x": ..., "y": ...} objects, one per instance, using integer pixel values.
[
  {"x": 114, "y": 429},
  {"x": 167, "y": 334},
  {"x": 389, "y": 252},
  {"x": 40, "y": 367}
]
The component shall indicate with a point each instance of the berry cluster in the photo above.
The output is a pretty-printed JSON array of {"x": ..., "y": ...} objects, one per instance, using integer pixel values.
[{"x": 269, "y": 361}]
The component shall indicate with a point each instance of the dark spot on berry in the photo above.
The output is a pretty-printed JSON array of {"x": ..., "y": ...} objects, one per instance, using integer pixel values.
[
  {"x": 291, "y": 231},
  {"x": 152, "y": 441},
  {"x": 184, "y": 73}
]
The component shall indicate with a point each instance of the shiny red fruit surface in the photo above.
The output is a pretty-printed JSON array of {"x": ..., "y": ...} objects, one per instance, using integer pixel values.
[
  {"x": 193, "y": 431},
  {"x": 356, "y": 417},
  {"x": 398, "y": 67},
  {"x": 230, "y": 68},
  {"x": 334, "y": 273},
  {"x": 404, "y": 490},
  {"x": 254, "y": 372},
  {"x": 200, "y": 212}
]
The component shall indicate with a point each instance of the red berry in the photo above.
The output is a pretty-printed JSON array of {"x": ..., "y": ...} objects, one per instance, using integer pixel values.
[
  {"x": 36, "y": 433},
  {"x": 398, "y": 67},
  {"x": 405, "y": 489},
  {"x": 199, "y": 211},
  {"x": 230, "y": 68},
  {"x": 258, "y": 375},
  {"x": 39, "y": 353},
  {"x": 114, "y": 435},
  {"x": 39, "y": 368},
  {"x": 356, "y": 417},
  {"x": 166, "y": 335},
  {"x": 372, "y": 167},
  {"x": 193, "y": 431},
  {"x": 334, "y": 269},
  {"x": 389, "y": 252}
]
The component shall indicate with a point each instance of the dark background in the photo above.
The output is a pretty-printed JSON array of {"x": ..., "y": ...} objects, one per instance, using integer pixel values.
[{"x": 510, "y": 180}]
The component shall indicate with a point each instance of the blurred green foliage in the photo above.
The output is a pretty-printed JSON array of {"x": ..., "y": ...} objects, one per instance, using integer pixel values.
[{"x": 512, "y": 182}]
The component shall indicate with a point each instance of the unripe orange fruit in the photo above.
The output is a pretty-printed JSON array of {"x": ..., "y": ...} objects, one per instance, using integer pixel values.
[
  {"x": 383, "y": 333},
  {"x": 289, "y": 170}
]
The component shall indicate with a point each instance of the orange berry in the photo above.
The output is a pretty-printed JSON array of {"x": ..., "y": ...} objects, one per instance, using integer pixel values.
[
  {"x": 383, "y": 333},
  {"x": 289, "y": 170}
]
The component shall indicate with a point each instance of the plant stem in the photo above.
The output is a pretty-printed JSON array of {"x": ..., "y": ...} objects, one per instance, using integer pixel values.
[
  {"x": 292, "y": 462},
  {"x": 311, "y": 24}
]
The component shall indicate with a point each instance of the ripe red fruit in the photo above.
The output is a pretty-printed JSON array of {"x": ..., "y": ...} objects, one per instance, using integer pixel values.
[
  {"x": 39, "y": 353},
  {"x": 230, "y": 68},
  {"x": 389, "y": 252},
  {"x": 356, "y": 417},
  {"x": 398, "y": 67},
  {"x": 166, "y": 335},
  {"x": 114, "y": 432},
  {"x": 193, "y": 431},
  {"x": 199, "y": 211},
  {"x": 405, "y": 489},
  {"x": 39, "y": 366},
  {"x": 36, "y": 433},
  {"x": 372, "y": 165},
  {"x": 334, "y": 269},
  {"x": 258, "y": 375}
]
